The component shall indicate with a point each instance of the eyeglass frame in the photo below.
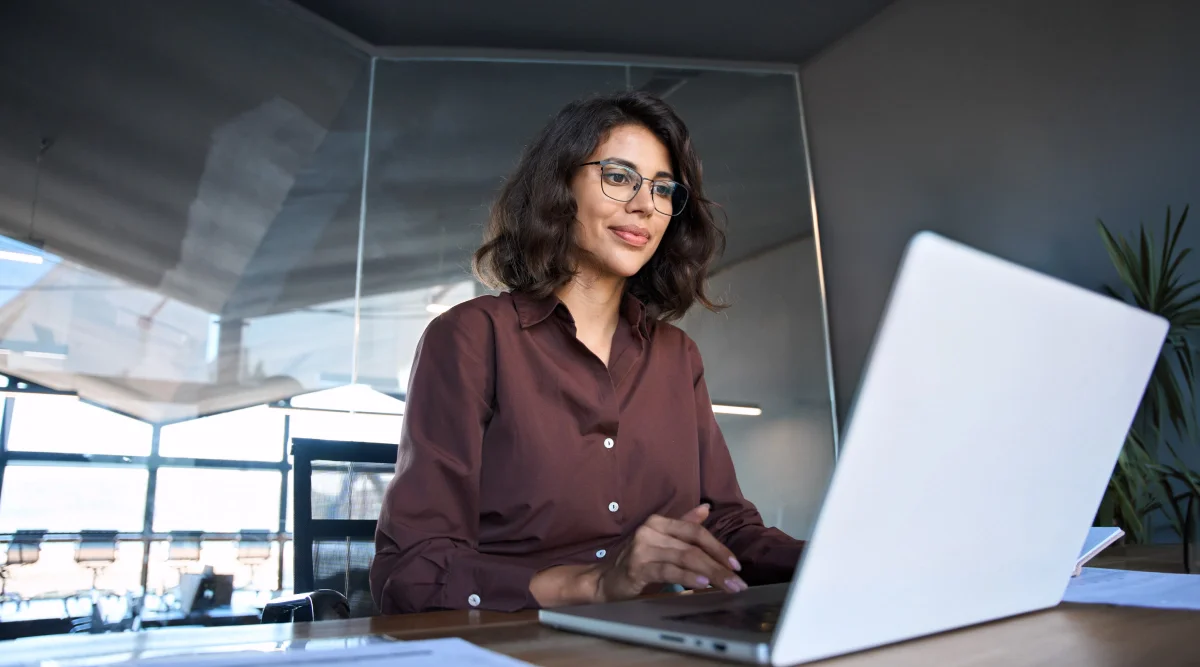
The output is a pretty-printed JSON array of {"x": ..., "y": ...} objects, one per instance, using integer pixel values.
[{"x": 637, "y": 188}]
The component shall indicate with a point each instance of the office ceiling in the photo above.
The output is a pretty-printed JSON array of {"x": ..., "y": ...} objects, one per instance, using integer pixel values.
[
  {"x": 205, "y": 161},
  {"x": 789, "y": 31}
]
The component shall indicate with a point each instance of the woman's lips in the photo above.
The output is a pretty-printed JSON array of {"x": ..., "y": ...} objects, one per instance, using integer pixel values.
[{"x": 631, "y": 235}]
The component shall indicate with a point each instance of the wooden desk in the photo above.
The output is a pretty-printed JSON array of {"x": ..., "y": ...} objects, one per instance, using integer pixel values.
[{"x": 1066, "y": 635}]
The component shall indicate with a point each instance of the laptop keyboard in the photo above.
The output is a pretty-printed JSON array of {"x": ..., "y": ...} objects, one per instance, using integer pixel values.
[{"x": 754, "y": 618}]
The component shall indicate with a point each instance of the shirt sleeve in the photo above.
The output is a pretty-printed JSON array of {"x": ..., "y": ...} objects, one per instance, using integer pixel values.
[
  {"x": 426, "y": 541},
  {"x": 767, "y": 555}
]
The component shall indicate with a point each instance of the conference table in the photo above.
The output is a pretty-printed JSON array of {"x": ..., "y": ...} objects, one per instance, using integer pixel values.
[
  {"x": 1093, "y": 635},
  {"x": 1068, "y": 634}
]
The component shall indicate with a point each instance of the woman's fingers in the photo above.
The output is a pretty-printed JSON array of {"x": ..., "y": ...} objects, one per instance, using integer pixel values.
[
  {"x": 698, "y": 535},
  {"x": 696, "y": 514},
  {"x": 701, "y": 569}
]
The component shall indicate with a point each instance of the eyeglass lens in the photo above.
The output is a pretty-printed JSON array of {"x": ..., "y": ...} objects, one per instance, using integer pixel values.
[{"x": 622, "y": 183}]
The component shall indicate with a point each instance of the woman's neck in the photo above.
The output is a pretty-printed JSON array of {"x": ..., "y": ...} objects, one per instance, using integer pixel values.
[
  {"x": 593, "y": 300},
  {"x": 595, "y": 304}
]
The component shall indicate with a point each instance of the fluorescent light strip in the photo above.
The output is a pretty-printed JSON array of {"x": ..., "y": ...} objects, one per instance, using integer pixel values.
[
  {"x": 437, "y": 308},
  {"x": 325, "y": 411},
  {"x": 23, "y": 257},
  {"x": 14, "y": 393},
  {"x": 745, "y": 410},
  {"x": 45, "y": 355}
]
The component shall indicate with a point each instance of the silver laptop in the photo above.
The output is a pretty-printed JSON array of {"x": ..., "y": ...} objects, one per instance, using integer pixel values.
[{"x": 989, "y": 417}]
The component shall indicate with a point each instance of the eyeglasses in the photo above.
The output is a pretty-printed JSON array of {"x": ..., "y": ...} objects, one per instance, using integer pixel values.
[{"x": 622, "y": 184}]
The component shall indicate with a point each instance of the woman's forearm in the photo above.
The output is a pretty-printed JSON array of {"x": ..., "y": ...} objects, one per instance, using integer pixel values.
[{"x": 565, "y": 585}]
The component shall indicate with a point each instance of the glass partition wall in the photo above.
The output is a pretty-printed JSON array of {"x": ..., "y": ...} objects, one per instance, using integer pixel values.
[{"x": 190, "y": 281}]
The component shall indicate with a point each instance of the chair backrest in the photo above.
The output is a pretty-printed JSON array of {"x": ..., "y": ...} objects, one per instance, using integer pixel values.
[
  {"x": 253, "y": 546},
  {"x": 96, "y": 547},
  {"x": 183, "y": 546},
  {"x": 338, "y": 492},
  {"x": 26, "y": 547}
]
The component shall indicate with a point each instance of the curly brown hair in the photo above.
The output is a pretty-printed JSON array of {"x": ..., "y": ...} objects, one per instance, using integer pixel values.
[{"x": 530, "y": 238}]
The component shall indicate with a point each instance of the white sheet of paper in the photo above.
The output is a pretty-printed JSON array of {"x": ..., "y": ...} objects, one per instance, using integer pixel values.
[
  {"x": 1135, "y": 589},
  {"x": 446, "y": 652}
]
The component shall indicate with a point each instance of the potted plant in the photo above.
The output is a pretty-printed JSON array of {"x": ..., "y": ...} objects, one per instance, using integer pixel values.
[{"x": 1150, "y": 475}]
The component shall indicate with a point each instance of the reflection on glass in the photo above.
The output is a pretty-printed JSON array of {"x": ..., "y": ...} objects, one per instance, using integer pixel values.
[
  {"x": 62, "y": 424},
  {"x": 768, "y": 348},
  {"x": 444, "y": 135},
  {"x": 185, "y": 240},
  {"x": 216, "y": 501},
  {"x": 62, "y": 498},
  {"x": 253, "y": 434}
]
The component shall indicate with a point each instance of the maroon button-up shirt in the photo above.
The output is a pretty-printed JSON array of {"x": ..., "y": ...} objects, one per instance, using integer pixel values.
[{"x": 521, "y": 450}]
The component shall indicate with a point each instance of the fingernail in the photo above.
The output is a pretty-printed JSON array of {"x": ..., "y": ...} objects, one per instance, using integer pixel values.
[
  {"x": 703, "y": 581},
  {"x": 733, "y": 562},
  {"x": 733, "y": 585}
]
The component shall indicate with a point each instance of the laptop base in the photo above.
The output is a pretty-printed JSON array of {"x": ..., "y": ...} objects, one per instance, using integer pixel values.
[{"x": 708, "y": 624}]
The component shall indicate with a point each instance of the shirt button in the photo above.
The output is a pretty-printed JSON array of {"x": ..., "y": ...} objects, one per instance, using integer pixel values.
[
  {"x": 473, "y": 600},
  {"x": 612, "y": 507},
  {"x": 601, "y": 553},
  {"x": 608, "y": 443}
]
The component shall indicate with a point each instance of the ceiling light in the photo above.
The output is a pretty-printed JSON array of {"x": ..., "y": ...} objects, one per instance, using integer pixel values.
[
  {"x": 23, "y": 257},
  {"x": 17, "y": 393},
  {"x": 295, "y": 411},
  {"x": 45, "y": 355},
  {"x": 437, "y": 308},
  {"x": 745, "y": 410}
]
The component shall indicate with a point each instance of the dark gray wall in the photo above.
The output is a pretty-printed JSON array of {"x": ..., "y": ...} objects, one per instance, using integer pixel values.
[{"x": 1007, "y": 124}]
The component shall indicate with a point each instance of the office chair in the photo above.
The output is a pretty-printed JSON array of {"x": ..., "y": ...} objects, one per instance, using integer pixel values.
[
  {"x": 183, "y": 550},
  {"x": 253, "y": 549},
  {"x": 338, "y": 493},
  {"x": 24, "y": 549},
  {"x": 97, "y": 549}
]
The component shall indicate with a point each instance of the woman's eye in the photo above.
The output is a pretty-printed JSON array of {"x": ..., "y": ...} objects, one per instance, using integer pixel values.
[
  {"x": 617, "y": 178},
  {"x": 664, "y": 189}
]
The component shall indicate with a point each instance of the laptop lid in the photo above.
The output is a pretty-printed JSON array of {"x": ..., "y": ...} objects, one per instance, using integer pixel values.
[{"x": 990, "y": 416}]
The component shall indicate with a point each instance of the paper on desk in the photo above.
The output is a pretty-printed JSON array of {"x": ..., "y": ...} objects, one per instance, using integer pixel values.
[
  {"x": 1135, "y": 589},
  {"x": 447, "y": 652}
]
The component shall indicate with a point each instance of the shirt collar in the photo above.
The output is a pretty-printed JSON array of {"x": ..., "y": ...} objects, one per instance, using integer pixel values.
[{"x": 532, "y": 310}]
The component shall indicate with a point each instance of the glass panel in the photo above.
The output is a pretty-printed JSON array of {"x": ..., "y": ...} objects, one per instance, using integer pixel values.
[
  {"x": 216, "y": 501},
  {"x": 64, "y": 425},
  {"x": 253, "y": 434},
  {"x": 61, "y": 498},
  {"x": 768, "y": 348},
  {"x": 56, "y": 585},
  {"x": 444, "y": 136},
  {"x": 200, "y": 250}
]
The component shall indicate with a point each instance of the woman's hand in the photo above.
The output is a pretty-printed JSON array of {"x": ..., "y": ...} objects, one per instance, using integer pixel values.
[
  {"x": 662, "y": 551},
  {"x": 669, "y": 551}
]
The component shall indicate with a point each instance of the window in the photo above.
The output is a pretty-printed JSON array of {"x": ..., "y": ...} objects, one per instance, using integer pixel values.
[
  {"x": 253, "y": 577},
  {"x": 216, "y": 501},
  {"x": 69, "y": 498},
  {"x": 56, "y": 575},
  {"x": 346, "y": 426},
  {"x": 252, "y": 434},
  {"x": 378, "y": 419},
  {"x": 64, "y": 425}
]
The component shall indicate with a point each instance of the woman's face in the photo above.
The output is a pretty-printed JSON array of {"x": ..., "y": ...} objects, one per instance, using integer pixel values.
[{"x": 616, "y": 238}]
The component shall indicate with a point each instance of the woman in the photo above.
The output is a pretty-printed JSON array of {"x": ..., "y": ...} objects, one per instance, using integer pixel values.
[{"x": 559, "y": 445}]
